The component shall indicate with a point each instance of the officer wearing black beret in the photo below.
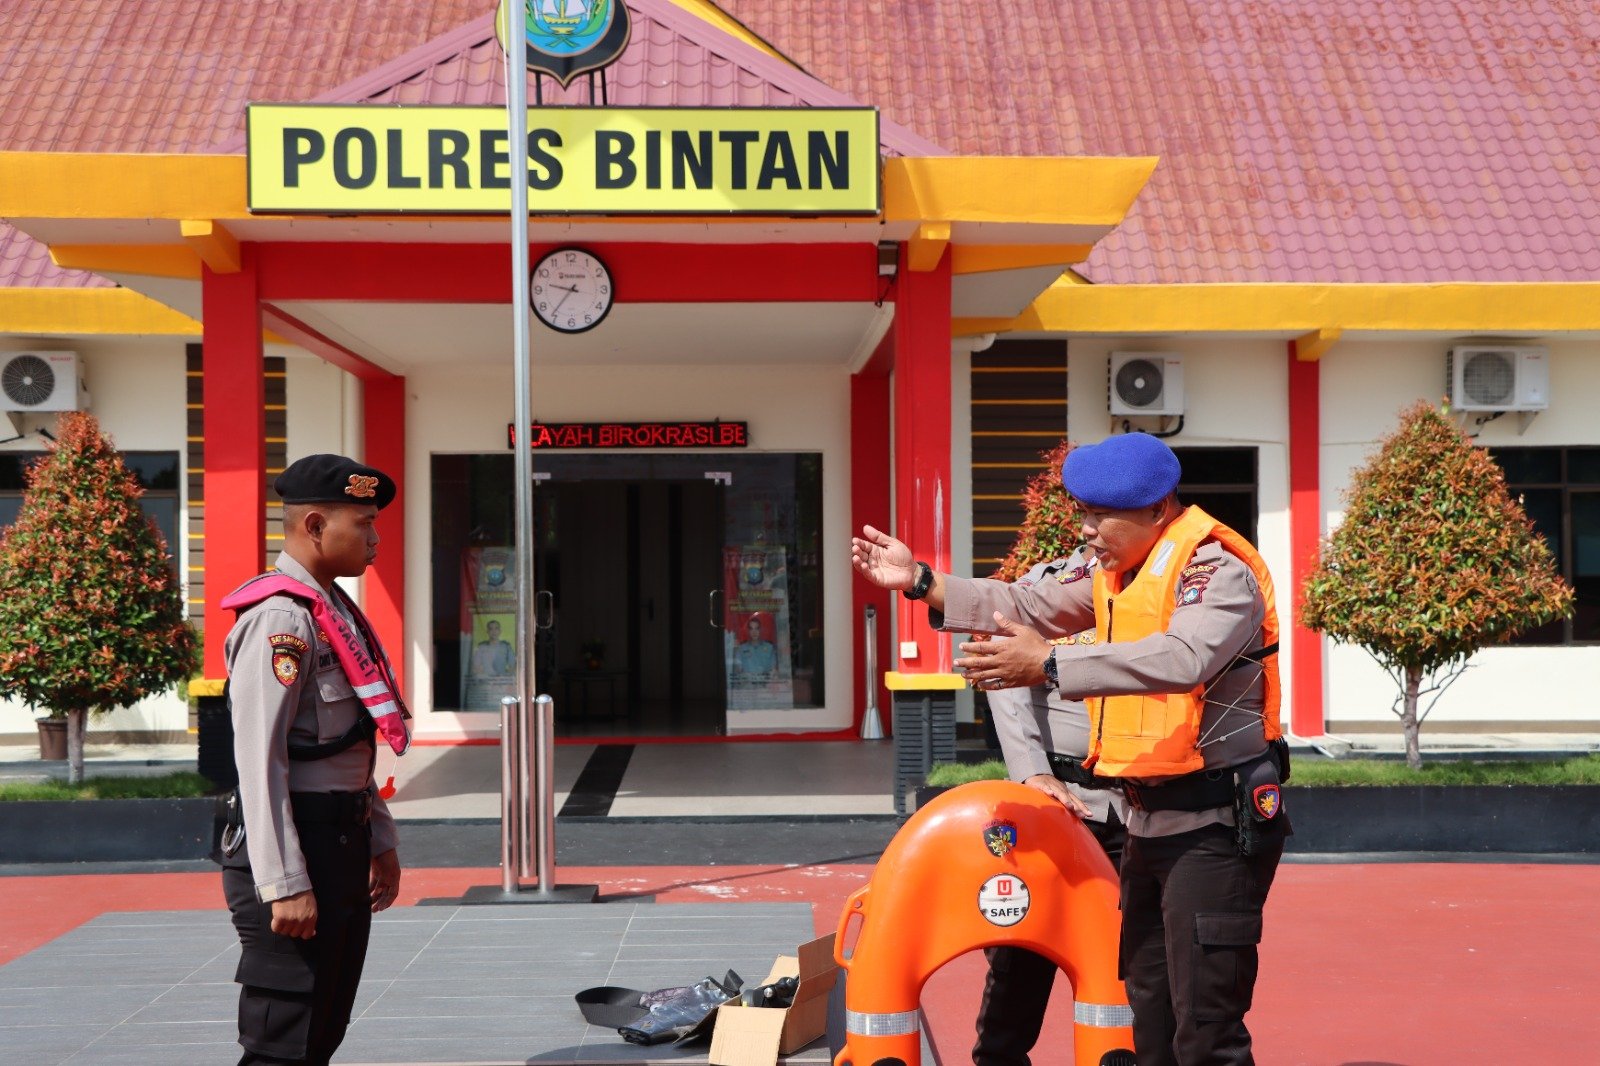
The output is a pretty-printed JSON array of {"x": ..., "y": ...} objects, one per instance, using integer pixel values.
[
  {"x": 312, "y": 854},
  {"x": 1181, "y": 684}
]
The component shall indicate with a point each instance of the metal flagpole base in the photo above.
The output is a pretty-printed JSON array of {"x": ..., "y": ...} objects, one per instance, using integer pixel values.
[{"x": 479, "y": 894}]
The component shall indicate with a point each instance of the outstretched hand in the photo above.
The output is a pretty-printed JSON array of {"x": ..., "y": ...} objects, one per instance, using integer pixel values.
[
  {"x": 882, "y": 560},
  {"x": 1014, "y": 663}
]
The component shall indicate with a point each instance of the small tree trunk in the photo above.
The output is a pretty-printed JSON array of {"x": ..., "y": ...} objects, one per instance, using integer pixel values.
[
  {"x": 75, "y": 728},
  {"x": 1408, "y": 718}
]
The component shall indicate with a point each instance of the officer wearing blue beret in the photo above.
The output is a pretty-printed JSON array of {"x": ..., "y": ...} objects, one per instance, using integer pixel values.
[
  {"x": 1181, "y": 684},
  {"x": 311, "y": 855}
]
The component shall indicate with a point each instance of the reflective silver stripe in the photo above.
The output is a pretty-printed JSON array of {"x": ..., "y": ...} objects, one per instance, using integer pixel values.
[
  {"x": 1102, "y": 1015},
  {"x": 899, "y": 1023},
  {"x": 377, "y": 688},
  {"x": 384, "y": 709}
]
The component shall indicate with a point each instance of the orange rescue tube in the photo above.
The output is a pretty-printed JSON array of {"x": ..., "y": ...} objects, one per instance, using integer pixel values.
[{"x": 987, "y": 863}]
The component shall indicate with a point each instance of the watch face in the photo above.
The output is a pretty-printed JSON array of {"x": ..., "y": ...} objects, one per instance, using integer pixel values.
[{"x": 570, "y": 290}]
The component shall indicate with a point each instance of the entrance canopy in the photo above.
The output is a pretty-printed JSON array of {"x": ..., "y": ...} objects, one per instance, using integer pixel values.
[{"x": 395, "y": 291}]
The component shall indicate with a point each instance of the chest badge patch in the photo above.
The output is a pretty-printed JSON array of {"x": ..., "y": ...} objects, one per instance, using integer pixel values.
[
  {"x": 1000, "y": 837},
  {"x": 1268, "y": 800},
  {"x": 287, "y": 650}
]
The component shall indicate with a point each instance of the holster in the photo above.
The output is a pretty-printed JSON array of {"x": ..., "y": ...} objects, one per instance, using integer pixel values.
[
  {"x": 227, "y": 827},
  {"x": 1258, "y": 808}
]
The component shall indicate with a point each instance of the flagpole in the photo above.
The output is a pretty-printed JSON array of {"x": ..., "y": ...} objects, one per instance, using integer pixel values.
[{"x": 517, "y": 134}]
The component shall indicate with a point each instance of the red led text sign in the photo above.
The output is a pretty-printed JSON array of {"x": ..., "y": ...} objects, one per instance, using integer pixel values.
[{"x": 634, "y": 435}]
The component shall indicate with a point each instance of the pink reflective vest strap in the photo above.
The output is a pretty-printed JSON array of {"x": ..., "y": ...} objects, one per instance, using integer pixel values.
[{"x": 368, "y": 673}]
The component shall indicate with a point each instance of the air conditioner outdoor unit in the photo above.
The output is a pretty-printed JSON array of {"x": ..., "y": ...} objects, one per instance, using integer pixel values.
[
  {"x": 1498, "y": 378},
  {"x": 1146, "y": 383},
  {"x": 39, "y": 381}
]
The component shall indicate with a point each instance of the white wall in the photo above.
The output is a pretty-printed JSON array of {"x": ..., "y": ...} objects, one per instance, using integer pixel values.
[
  {"x": 462, "y": 409},
  {"x": 1364, "y": 387},
  {"x": 137, "y": 391},
  {"x": 1235, "y": 395}
]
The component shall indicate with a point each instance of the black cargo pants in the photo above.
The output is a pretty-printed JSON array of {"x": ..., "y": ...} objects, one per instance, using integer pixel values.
[
  {"x": 1017, "y": 990},
  {"x": 296, "y": 995},
  {"x": 1191, "y": 923}
]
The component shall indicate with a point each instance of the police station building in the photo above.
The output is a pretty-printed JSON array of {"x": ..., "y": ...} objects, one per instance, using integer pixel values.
[{"x": 764, "y": 314}]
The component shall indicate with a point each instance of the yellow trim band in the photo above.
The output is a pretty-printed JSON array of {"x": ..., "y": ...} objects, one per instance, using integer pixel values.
[
  {"x": 1297, "y": 309},
  {"x": 206, "y": 686},
  {"x": 89, "y": 312},
  {"x": 179, "y": 261},
  {"x": 1082, "y": 191},
  {"x": 898, "y": 682}
]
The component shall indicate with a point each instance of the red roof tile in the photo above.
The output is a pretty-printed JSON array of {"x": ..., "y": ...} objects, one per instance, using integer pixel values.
[
  {"x": 174, "y": 76},
  {"x": 1313, "y": 140},
  {"x": 673, "y": 59}
]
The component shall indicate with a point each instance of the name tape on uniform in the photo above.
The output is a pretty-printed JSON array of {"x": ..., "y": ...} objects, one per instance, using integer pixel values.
[{"x": 379, "y": 159}]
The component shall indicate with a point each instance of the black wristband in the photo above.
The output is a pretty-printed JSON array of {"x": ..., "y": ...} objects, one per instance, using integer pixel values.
[
  {"x": 1051, "y": 677},
  {"x": 919, "y": 588}
]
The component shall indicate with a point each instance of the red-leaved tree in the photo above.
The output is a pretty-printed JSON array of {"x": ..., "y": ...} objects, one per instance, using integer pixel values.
[
  {"x": 91, "y": 614},
  {"x": 1052, "y": 520},
  {"x": 1434, "y": 560}
]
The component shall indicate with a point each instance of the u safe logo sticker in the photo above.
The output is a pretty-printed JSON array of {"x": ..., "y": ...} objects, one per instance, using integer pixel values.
[{"x": 1003, "y": 900}]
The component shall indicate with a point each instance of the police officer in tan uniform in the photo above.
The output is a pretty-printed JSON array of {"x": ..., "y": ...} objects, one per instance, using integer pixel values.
[
  {"x": 1043, "y": 738},
  {"x": 318, "y": 856},
  {"x": 1203, "y": 846}
]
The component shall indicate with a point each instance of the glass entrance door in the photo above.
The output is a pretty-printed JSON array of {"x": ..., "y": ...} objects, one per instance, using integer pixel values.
[
  {"x": 630, "y": 623},
  {"x": 675, "y": 593}
]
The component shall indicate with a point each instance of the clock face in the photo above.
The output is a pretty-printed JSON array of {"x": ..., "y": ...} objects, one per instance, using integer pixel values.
[{"x": 570, "y": 290}]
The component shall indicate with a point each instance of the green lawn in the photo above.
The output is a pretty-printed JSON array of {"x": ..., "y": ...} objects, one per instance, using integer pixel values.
[
  {"x": 181, "y": 785},
  {"x": 1348, "y": 773}
]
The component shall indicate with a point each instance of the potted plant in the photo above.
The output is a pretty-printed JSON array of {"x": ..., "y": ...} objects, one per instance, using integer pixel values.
[
  {"x": 1434, "y": 560},
  {"x": 91, "y": 612}
]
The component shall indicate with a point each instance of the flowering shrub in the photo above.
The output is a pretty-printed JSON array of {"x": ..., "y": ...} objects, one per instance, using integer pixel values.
[
  {"x": 91, "y": 615},
  {"x": 1434, "y": 560}
]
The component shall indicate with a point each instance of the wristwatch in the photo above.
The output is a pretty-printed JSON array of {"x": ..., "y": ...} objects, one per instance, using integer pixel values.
[
  {"x": 1050, "y": 674},
  {"x": 919, "y": 588}
]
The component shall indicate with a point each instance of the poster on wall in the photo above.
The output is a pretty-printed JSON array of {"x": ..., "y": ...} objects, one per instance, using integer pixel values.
[
  {"x": 488, "y": 627},
  {"x": 759, "y": 664}
]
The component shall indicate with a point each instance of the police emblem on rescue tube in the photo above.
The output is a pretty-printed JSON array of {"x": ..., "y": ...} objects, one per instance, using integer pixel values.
[
  {"x": 1000, "y": 837},
  {"x": 1003, "y": 900},
  {"x": 569, "y": 37}
]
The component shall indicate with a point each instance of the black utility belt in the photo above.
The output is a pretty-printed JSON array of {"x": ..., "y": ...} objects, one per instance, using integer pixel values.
[
  {"x": 1199, "y": 791},
  {"x": 1070, "y": 768},
  {"x": 338, "y": 808}
]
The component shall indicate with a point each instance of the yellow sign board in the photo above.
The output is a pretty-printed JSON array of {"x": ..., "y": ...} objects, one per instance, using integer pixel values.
[{"x": 369, "y": 159}]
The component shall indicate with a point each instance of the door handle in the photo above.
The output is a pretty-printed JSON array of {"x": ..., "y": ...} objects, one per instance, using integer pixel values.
[
  {"x": 544, "y": 614},
  {"x": 716, "y": 612}
]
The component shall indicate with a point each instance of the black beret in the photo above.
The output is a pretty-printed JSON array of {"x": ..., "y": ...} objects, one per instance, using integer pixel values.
[{"x": 334, "y": 479}]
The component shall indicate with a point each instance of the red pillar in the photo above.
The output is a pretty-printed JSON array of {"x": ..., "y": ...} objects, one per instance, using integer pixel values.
[
  {"x": 922, "y": 448},
  {"x": 383, "y": 418},
  {"x": 869, "y": 505},
  {"x": 235, "y": 480},
  {"x": 1305, "y": 531}
]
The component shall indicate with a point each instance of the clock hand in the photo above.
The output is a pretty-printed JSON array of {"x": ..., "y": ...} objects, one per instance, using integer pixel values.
[{"x": 563, "y": 300}]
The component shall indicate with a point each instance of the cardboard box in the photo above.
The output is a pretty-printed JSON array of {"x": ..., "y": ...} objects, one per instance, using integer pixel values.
[{"x": 756, "y": 1036}]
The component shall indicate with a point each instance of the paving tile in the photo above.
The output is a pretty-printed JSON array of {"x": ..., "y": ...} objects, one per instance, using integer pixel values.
[
  {"x": 471, "y": 985},
  {"x": 40, "y": 1044}
]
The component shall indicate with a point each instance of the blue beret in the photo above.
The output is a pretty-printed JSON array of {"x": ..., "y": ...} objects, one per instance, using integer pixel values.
[
  {"x": 1121, "y": 473},
  {"x": 334, "y": 479}
]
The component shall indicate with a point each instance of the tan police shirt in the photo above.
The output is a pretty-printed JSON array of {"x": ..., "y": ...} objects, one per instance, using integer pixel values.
[
  {"x": 285, "y": 681},
  {"x": 1033, "y": 722},
  {"x": 1210, "y": 628}
]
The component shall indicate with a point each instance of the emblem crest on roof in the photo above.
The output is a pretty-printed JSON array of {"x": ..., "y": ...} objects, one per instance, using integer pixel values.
[{"x": 569, "y": 37}]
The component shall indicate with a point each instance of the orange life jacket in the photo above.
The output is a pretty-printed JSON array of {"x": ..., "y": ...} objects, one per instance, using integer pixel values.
[{"x": 1157, "y": 734}]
